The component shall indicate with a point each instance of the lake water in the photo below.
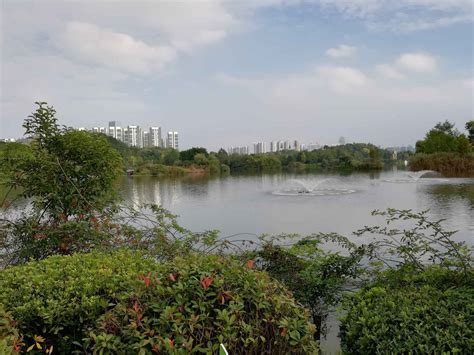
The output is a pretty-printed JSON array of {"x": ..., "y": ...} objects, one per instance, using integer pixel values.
[{"x": 304, "y": 203}]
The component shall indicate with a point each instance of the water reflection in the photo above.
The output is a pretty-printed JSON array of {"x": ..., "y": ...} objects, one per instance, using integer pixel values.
[
  {"x": 237, "y": 204},
  {"x": 449, "y": 193}
]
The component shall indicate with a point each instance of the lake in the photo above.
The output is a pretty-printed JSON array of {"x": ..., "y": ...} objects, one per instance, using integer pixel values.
[{"x": 305, "y": 203}]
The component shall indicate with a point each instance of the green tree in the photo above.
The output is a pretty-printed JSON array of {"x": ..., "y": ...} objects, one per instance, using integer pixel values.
[
  {"x": 464, "y": 145},
  {"x": 171, "y": 156},
  {"x": 470, "y": 129},
  {"x": 70, "y": 172},
  {"x": 188, "y": 155},
  {"x": 441, "y": 138},
  {"x": 223, "y": 156}
]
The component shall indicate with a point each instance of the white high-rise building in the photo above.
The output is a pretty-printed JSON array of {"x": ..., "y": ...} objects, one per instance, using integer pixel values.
[
  {"x": 134, "y": 136},
  {"x": 115, "y": 130},
  {"x": 146, "y": 139},
  {"x": 172, "y": 140},
  {"x": 296, "y": 146},
  {"x": 273, "y": 147},
  {"x": 154, "y": 137},
  {"x": 259, "y": 148},
  {"x": 99, "y": 130},
  {"x": 242, "y": 150}
]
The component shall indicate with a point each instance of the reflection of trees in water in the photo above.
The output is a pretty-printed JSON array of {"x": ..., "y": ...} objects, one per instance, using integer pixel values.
[
  {"x": 162, "y": 191},
  {"x": 453, "y": 192}
]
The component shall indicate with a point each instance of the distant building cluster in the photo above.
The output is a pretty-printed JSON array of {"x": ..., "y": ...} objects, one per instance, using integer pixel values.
[
  {"x": 275, "y": 146},
  {"x": 135, "y": 136},
  {"x": 243, "y": 150},
  {"x": 402, "y": 149}
]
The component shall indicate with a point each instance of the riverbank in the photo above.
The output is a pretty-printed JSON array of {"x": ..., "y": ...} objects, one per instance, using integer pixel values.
[{"x": 448, "y": 164}]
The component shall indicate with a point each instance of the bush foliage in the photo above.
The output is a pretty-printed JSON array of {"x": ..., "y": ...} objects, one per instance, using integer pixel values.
[
  {"x": 405, "y": 312},
  {"x": 122, "y": 302}
]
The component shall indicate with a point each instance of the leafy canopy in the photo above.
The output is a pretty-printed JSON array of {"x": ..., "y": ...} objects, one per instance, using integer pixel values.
[{"x": 69, "y": 172}]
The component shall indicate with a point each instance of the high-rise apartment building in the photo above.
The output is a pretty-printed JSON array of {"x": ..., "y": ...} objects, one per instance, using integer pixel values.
[
  {"x": 146, "y": 139},
  {"x": 296, "y": 146},
  {"x": 172, "y": 140},
  {"x": 259, "y": 148},
  {"x": 99, "y": 130},
  {"x": 115, "y": 130},
  {"x": 243, "y": 150},
  {"x": 154, "y": 137},
  {"x": 273, "y": 147},
  {"x": 134, "y": 136}
]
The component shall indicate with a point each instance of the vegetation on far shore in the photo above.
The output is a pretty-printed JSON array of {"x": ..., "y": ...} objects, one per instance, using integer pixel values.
[
  {"x": 80, "y": 273},
  {"x": 168, "y": 162},
  {"x": 446, "y": 150}
]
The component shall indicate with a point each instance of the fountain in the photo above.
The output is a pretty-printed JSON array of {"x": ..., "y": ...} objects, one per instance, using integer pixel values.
[
  {"x": 325, "y": 187},
  {"x": 418, "y": 176}
]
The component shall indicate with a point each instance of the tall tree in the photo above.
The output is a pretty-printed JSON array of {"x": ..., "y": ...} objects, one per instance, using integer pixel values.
[{"x": 470, "y": 129}]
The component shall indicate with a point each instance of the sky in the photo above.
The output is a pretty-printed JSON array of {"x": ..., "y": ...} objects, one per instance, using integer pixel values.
[{"x": 229, "y": 73}]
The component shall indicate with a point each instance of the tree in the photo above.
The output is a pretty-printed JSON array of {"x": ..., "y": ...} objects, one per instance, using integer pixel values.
[
  {"x": 441, "y": 138},
  {"x": 188, "y": 155},
  {"x": 470, "y": 129},
  {"x": 171, "y": 157},
  {"x": 464, "y": 146},
  {"x": 68, "y": 172},
  {"x": 223, "y": 156}
]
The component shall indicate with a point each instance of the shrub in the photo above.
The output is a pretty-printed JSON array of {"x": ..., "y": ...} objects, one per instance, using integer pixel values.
[
  {"x": 61, "y": 297},
  {"x": 196, "y": 303},
  {"x": 123, "y": 302},
  {"x": 405, "y": 312},
  {"x": 10, "y": 339}
]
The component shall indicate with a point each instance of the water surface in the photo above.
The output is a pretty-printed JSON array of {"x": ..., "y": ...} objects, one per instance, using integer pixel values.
[{"x": 261, "y": 204}]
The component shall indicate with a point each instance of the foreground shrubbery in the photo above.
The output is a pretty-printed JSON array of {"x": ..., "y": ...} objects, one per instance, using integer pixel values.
[
  {"x": 409, "y": 312},
  {"x": 122, "y": 302},
  {"x": 418, "y": 298}
]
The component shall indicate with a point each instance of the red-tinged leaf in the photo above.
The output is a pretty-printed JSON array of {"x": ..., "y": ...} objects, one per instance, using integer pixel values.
[
  {"x": 155, "y": 348},
  {"x": 283, "y": 332},
  {"x": 206, "y": 282},
  {"x": 171, "y": 343},
  {"x": 146, "y": 280},
  {"x": 250, "y": 264},
  {"x": 172, "y": 277},
  {"x": 136, "y": 307}
]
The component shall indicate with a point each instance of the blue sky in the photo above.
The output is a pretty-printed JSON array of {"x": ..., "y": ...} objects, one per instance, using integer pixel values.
[{"x": 236, "y": 72}]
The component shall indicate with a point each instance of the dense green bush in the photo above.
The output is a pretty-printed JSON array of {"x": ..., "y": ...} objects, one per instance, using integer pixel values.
[
  {"x": 59, "y": 298},
  {"x": 123, "y": 302},
  {"x": 196, "y": 303},
  {"x": 10, "y": 339},
  {"x": 411, "y": 312}
]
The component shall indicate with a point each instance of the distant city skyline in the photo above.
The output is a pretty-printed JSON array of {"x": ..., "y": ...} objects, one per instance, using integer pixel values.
[
  {"x": 376, "y": 71},
  {"x": 136, "y": 136}
]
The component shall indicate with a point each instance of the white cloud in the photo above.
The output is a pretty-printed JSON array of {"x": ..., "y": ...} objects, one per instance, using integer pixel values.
[
  {"x": 342, "y": 79},
  {"x": 341, "y": 51},
  {"x": 417, "y": 62},
  {"x": 403, "y": 15},
  {"x": 327, "y": 99},
  {"x": 112, "y": 49},
  {"x": 388, "y": 71}
]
